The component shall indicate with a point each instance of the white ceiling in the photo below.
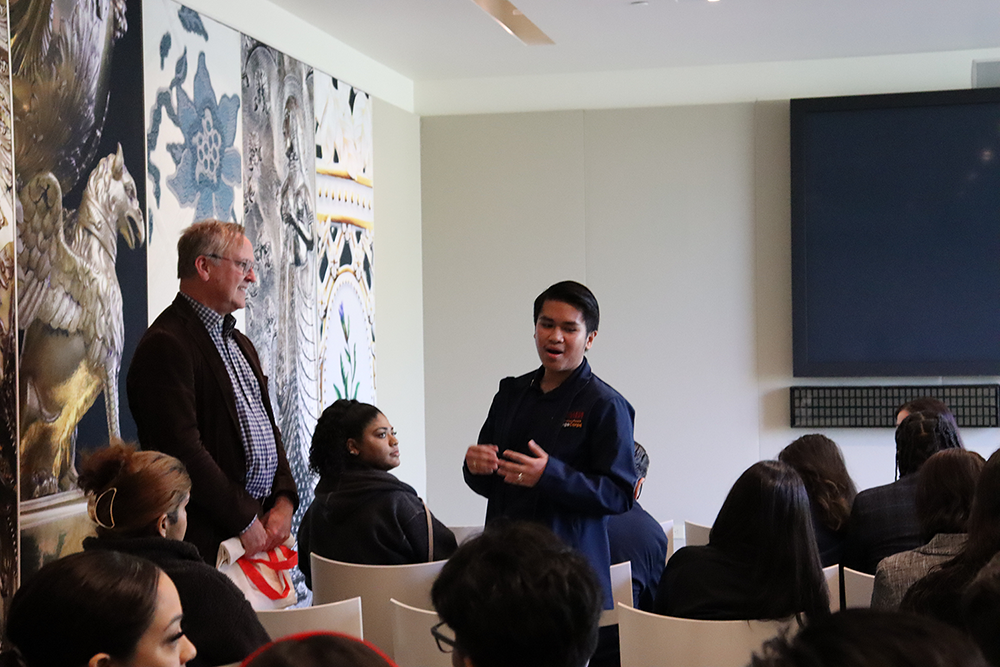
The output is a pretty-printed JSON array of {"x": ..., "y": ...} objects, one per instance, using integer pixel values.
[{"x": 430, "y": 40}]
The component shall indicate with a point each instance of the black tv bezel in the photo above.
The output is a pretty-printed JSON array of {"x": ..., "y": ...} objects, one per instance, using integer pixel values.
[{"x": 802, "y": 366}]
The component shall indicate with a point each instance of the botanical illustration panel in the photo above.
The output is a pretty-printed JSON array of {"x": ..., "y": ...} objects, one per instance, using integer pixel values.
[
  {"x": 280, "y": 218},
  {"x": 344, "y": 179},
  {"x": 192, "y": 98}
]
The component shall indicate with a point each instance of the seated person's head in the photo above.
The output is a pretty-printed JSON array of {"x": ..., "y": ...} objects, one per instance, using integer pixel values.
[
  {"x": 318, "y": 649},
  {"x": 766, "y": 517},
  {"x": 136, "y": 494},
  {"x": 870, "y": 638},
  {"x": 352, "y": 433},
  {"x": 820, "y": 464},
  {"x": 920, "y": 436},
  {"x": 516, "y": 596},
  {"x": 641, "y": 459},
  {"x": 924, "y": 404},
  {"x": 98, "y": 609},
  {"x": 945, "y": 488}
]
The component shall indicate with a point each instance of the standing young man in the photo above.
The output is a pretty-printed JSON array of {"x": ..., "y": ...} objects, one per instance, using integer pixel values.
[{"x": 557, "y": 446}]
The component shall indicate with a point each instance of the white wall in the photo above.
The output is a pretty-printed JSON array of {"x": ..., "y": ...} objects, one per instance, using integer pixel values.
[
  {"x": 399, "y": 326},
  {"x": 678, "y": 219},
  {"x": 714, "y": 84},
  {"x": 289, "y": 34}
]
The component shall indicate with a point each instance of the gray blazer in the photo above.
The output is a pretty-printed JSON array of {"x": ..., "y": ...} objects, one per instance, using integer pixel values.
[{"x": 895, "y": 574}]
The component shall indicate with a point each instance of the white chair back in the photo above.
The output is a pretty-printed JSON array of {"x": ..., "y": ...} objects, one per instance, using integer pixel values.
[
  {"x": 344, "y": 617},
  {"x": 412, "y": 639},
  {"x": 832, "y": 576},
  {"x": 668, "y": 530},
  {"x": 621, "y": 591},
  {"x": 375, "y": 585},
  {"x": 463, "y": 533},
  {"x": 858, "y": 588},
  {"x": 651, "y": 640},
  {"x": 695, "y": 534}
]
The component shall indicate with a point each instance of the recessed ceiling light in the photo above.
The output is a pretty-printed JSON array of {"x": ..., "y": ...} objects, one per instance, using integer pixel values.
[{"x": 514, "y": 21}]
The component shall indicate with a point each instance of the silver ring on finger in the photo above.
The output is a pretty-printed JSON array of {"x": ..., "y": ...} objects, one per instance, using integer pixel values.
[{"x": 520, "y": 476}]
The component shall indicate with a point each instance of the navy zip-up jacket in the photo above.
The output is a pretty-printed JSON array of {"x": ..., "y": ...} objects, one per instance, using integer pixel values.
[{"x": 585, "y": 427}]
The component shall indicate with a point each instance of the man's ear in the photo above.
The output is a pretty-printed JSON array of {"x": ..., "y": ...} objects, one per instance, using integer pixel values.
[
  {"x": 201, "y": 266},
  {"x": 638, "y": 487},
  {"x": 100, "y": 660},
  {"x": 590, "y": 339}
]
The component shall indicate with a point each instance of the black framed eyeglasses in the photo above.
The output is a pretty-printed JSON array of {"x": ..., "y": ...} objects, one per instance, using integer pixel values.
[
  {"x": 246, "y": 265},
  {"x": 445, "y": 643}
]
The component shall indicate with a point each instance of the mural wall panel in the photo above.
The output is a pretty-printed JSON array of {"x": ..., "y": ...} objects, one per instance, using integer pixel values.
[
  {"x": 8, "y": 333},
  {"x": 131, "y": 120},
  {"x": 78, "y": 142},
  {"x": 279, "y": 204},
  {"x": 344, "y": 182},
  {"x": 192, "y": 93}
]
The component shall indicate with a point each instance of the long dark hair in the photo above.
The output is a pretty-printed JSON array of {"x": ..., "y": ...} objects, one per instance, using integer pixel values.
[
  {"x": 766, "y": 518},
  {"x": 920, "y": 436},
  {"x": 344, "y": 420},
  {"x": 820, "y": 464},
  {"x": 81, "y": 605}
]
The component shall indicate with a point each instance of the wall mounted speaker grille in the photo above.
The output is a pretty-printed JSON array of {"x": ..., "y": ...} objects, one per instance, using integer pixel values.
[{"x": 974, "y": 405}]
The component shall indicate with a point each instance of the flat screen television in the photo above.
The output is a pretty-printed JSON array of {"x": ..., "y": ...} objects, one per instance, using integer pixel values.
[{"x": 895, "y": 203}]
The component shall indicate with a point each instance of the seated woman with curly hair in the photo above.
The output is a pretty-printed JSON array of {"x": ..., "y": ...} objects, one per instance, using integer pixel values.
[
  {"x": 831, "y": 490},
  {"x": 362, "y": 513}
]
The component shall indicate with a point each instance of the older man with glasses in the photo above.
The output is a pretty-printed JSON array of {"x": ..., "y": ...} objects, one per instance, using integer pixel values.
[{"x": 197, "y": 392}]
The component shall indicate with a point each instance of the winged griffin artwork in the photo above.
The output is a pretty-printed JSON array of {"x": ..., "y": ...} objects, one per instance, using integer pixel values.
[{"x": 69, "y": 301}]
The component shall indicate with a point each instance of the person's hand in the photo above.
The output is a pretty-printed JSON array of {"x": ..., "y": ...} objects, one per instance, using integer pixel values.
[
  {"x": 482, "y": 459},
  {"x": 254, "y": 538},
  {"x": 278, "y": 522},
  {"x": 521, "y": 469}
]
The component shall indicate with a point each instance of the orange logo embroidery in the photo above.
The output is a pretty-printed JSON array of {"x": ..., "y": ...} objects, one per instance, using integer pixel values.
[{"x": 573, "y": 420}]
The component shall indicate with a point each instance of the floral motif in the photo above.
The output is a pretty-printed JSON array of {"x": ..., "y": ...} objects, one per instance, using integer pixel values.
[
  {"x": 350, "y": 369},
  {"x": 208, "y": 166}
]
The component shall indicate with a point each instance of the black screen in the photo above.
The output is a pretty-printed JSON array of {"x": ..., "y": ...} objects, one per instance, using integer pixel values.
[{"x": 896, "y": 234}]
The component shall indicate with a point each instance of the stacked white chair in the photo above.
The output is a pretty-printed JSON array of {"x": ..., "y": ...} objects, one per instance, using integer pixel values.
[
  {"x": 463, "y": 533},
  {"x": 651, "y": 640},
  {"x": 858, "y": 588},
  {"x": 695, "y": 534},
  {"x": 343, "y": 617},
  {"x": 832, "y": 576},
  {"x": 411, "y": 637},
  {"x": 621, "y": 591},
  {"x": 333, "y": 581},
  {"x": 668, "y": 530}
]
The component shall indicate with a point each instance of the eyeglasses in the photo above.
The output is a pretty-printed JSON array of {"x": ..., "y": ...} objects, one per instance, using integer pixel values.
[
  {"x": 445, "y": 644},
  {"x": 247, "y": 265}
]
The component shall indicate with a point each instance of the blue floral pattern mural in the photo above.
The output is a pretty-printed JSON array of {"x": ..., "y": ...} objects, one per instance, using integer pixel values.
[{"x": 194, "y": 131}]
